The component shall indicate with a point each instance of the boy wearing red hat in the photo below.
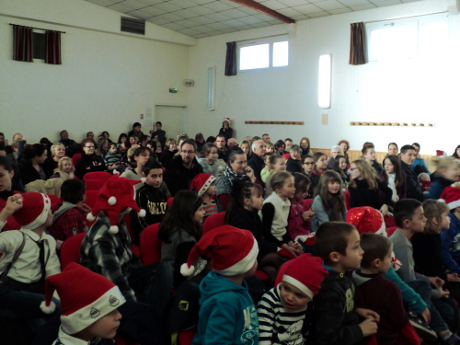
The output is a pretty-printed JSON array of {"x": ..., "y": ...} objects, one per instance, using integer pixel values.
[
  {"x": 286, "y": 311},
  {"x": 227, "y": 312}
]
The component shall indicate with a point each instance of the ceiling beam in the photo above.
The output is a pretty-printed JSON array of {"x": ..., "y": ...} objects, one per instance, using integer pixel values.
[{"x": 265, "y": 10}]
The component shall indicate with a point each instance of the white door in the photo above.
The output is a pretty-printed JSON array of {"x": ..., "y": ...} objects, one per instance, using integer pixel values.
[{"x": 173, "y": 119}]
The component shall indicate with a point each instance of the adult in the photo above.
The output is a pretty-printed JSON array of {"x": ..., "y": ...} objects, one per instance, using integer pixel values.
[
  {"x": 57, "y": 151},
  {"x": 102, "y": 147},
  {"x": 226, "y": 130},
  {"x": 90, "y": 135},
  {"x": 221, "y": 144},
  {"x": 161, "y": 134},
  {"x": 393, "y": 149},
  {"x": 419, "y": 165},
  {"x": 232, "y": 143},
  {"x": 288, "y": 143},
  {"x": 305, "y": 145},
  {"x": 336, "y": 150},
  {"x": 183, "y": 168},
  {"x": 9, "y": 185},
  {"x": 256, "y": 162},
  {"x": 106, "y": 135},
  {"x": 136, "y": 131},
  {"x": 31, "y": 166},
  {"x": 199, "y": 141},
  {"x": 89, "y": 161},
  {"x": 71, "y": 147},
  {"x": 266, "y": 137},
  {"x": 246, "y": 147},
  {"x": 408, "y": 155},
  {"x": 237, "y": 171},
  {"x": 456, "y": 153},
  {"x": 345, "y": 146},
  {"x": 249, "y": 139},
  {"x": 17, "y": 136}
]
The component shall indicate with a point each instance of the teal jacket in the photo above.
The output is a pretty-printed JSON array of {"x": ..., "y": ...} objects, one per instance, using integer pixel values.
[{"x": 227, "y": 313}]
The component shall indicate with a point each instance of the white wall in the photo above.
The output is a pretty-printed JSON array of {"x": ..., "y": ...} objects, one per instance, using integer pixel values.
[
  {"x": 415, "y": 94},
  {"x": 105, "y": 82}
]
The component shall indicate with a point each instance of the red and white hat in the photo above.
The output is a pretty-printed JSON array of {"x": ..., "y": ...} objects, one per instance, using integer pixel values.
[
  {"x": 115, "y": 196},
  {"x": 232, "y": 251},
  {"x": 201, "y": 183},
  {"x": 306, "y": 273},
  {"x": 85, "y": 297},
  {"x": 226, "y": 119},
  {"x": 366, "y": 219},
  {"x": 451, "y": 196},
  {"x": 34, "y": 211}
]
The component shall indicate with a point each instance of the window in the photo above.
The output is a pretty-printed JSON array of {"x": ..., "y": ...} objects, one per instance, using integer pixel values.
[
  {"x": 39, "y": 45},
  {"x": 420, "y": 37},
  {"x": 264, "y": 54}
]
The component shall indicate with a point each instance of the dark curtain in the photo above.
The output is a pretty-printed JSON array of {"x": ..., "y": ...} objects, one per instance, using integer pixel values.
[
  {"x": 22, "y": 43},
  {"x": 53, "y": 47},
  {"x": 357, "y": 44},
  {"x": 230, "y": 59}
]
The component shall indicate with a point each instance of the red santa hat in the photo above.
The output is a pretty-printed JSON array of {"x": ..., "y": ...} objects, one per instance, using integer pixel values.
[
  {"x": 85, "y": 297},
  {"x": 306, "y": 273},
  {"x": 441, "y": 153},
  {"x": 366, "y": 219},
  {"x": 34, "y": 211},
  {"x": 201, "y": 183},
  {"x": 226, "y": 119},
  {"x": 232, "y": 251},
  {"x": 451, "y": 196},
  {"x": 115, "y": 196}
]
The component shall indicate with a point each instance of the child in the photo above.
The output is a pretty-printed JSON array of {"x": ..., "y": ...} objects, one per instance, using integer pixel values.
[
  {"x": 275, "y": 213},
  {"x": 447, "y": 172},
  {"x": 299, "y": 218},
  {"x": 286, "y": 311},
  {"x": 180, "y": 230},
  {"x": 328, "y": 203},
  {"x": 308, "y": 166},
  {"x": 293, "y": 162},
  {"x": 29, "y": 257},
  {"x": 246, "y": 147},
  {"x": 275, "y": 164},
  {"x": 112, "y": 158},
  {"x": 227, "y": 312},
  {"x": 270, "y": 148},
  {"x": 394, "y": 177},
  {"x": 368, "y": 152},
  {"x": 152, "y": 197},
  {"x": 336, "y": 319},
  {"x": 169, "y": 151},
  {"x": 267, "y": 169},
  {"x": 320, "y": 163},
  {"x": 205, "y": 186},
  {"x": 65, "y": 169},
  {"x": 210, "y": 162},
  {"x": 242, "y": 213},
  {"x": 409, "y": 217},
  {"x": 371, "y": 283},
  {"x": 340, "y": 165},
  {"x": 450, "y": 250},
  {"x": 69, "y": 219},
  {"x": 89, "y": 305},
  {"x": 425, "y": 183}
]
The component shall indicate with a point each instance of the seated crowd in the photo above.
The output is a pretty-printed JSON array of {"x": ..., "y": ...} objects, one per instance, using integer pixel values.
[{"x": 277, "y": 243}]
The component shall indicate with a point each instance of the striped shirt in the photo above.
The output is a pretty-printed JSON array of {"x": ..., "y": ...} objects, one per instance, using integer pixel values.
[{"x": 209, "y": 207}]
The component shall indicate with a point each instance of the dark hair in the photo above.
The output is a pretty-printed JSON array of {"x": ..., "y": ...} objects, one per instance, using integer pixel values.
[
  {"x": 344, "y": 142},
  {"x": 416, "y": 144},
  {"x": 135, "y": 124},
  {"x": 399, "y": 177},
  {"x": 139, "y": 150},
  {"x": 233, "y": 152},
  {"x": 64, "y": 130},
  {"x": 159, "y": 123},
  {"x": 35, "y": 150},
  {"x": 89, "y": 132},
  {"x": 199, "y": 136},
  {"x": 6, "y": 164},
  {"x": 108, "y": 134},
  {"x": 278, "y": 144},
  {"x": 179, "y": 217},
  {"x": 210, "y": 139},
  {"x": 221, "y": 136},
  {"x": 337, "y": 162},
  {"x": 121, "y": 136},
  {"x": 301, "y": 182},
  {"x": 279, "y": 179},
  {"x": 405, "y": 148},
  {"x": 85, "y": 141},
  {"x": 190, "y": 142},
  {"x": 144, "y": 137},
  {"x": 206, "y": 149},
  {"x": 375, "y": 247},
  {"x": 366, "y": 146},
  {"x": 288, "y": 139},
  {"x": 73, "y": 190},
  {"x": 332, "y": 237},
  {"x": 327, "y": 199},
  {"x": 45, "y": 140},
  {"x": 240, "y": 192},
  {"x": 255, "y": 138},
  {"x": 111, "y": 143},
  {"x": 394, "y": 144},
  {"x": 405, "y": 209},
  {"x": 151, "y": 164},
  {"x": 455, "y": 152}
]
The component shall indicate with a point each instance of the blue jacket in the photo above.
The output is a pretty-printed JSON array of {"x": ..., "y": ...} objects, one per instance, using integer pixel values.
[
  {"x": 227, "y": 313},
  {"x": 450, "y": 244}
]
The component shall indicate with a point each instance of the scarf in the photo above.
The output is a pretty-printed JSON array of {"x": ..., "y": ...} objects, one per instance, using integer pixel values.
[{"x": 228, "y": 180}]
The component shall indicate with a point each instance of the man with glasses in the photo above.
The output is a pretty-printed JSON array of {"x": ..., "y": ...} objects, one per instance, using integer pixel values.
[
  {"x": 256, "y": 162},
  {"x": 183, "y": 168}
]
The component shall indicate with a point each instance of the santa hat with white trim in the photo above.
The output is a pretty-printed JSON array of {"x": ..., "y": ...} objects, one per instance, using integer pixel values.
[
  {"x": 451, "y": 196},
  {"x": 306, "y": 273},
  {"x": 116, "y": 195},
  {"x": 201, "y": 183},
  {"x": 232, "y": 251},
  {"x": 85, "y": 297},
  {"x": 34, "y": 211},
  {"x": 366, "y": 219}
]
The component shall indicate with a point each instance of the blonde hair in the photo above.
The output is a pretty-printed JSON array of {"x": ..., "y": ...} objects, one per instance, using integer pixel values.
[
  {"x": 130, "y": 153},
  {"x": 54, "y": 147},
  {"x": 61, "y": 163},
  {"x": 249, "y": 145},
  {"x": 368, "y": 174},
  {"x": 434, "y": 209},
  {"x": 442, "y": 163}
]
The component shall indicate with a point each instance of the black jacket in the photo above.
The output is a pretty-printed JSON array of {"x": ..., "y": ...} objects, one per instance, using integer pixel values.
[
  {"x": 293, "y": 166},
  {"x": 314, "y": 180},
  {"x": 177, "y": 177},
  {"x": 94, "y": 162},
  {"x": 363, "y": 196},
  {"x": 427, "y": 255},
  {"x": 412, "y": 186},
  {"x": 257, "y": 164}
]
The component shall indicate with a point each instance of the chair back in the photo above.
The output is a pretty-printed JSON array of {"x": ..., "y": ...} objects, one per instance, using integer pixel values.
[
  {"x": 97, "y": 175},
  {"x": 70, "y": 250},
  {"x": 213, "y": 221},
  {"x": 150, "y": 244}
]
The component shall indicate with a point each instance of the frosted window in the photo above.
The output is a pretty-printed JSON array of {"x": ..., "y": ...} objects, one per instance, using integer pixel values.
[
  {"x": 252, "y": 57},
  {"x": 280, "y": 54}
]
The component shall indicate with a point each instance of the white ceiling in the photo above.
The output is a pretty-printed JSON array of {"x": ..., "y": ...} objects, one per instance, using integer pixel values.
[{"x": 203, "y": 18}]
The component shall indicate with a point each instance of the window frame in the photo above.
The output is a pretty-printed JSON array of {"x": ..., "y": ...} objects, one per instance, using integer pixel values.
[{"x": 270, "y": 41}]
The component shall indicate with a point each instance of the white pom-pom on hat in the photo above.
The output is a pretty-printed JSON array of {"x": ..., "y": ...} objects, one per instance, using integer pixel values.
[
  {"x": 90, "y": 217},
  {"x": 113, "y": 229},
  {"x": 143, "y": 179},
  {"x": 142, "y": 213},
  {"x": 112, "y": 201},
  {"x": 186, "y": 271},
  {"x": 48, "y": 309}
]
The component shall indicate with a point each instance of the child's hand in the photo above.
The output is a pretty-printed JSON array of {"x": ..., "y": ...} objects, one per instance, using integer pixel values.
[
  {"x": 366, "y": 313},
  {"x": 297, "y": 248},
  {"x": 445, "y": 293},
  {"x": 86, "y": 208},
  {"x": 290, "y": 250},
  {"x": 426, "y": 316},
  {"x": 436, "y": 281},
  {"x": 307, "y": 215},
  {"x": 13, "y": 203},
  {"x": 453, "y": 277},
  {"x": 368, "y": 327}
]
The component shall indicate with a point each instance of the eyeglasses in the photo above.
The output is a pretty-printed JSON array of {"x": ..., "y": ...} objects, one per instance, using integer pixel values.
[
  {"x": 90, "y": 147},
  {"x": 187, "y": 152}
]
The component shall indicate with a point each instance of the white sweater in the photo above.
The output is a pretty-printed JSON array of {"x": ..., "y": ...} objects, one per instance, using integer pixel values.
[{"x": 280, "y": 218}]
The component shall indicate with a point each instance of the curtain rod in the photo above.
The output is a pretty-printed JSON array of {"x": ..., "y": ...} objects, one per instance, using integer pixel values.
[
  {"x": 414, "y": 16},
  {"x": 62, "y": 32}
]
